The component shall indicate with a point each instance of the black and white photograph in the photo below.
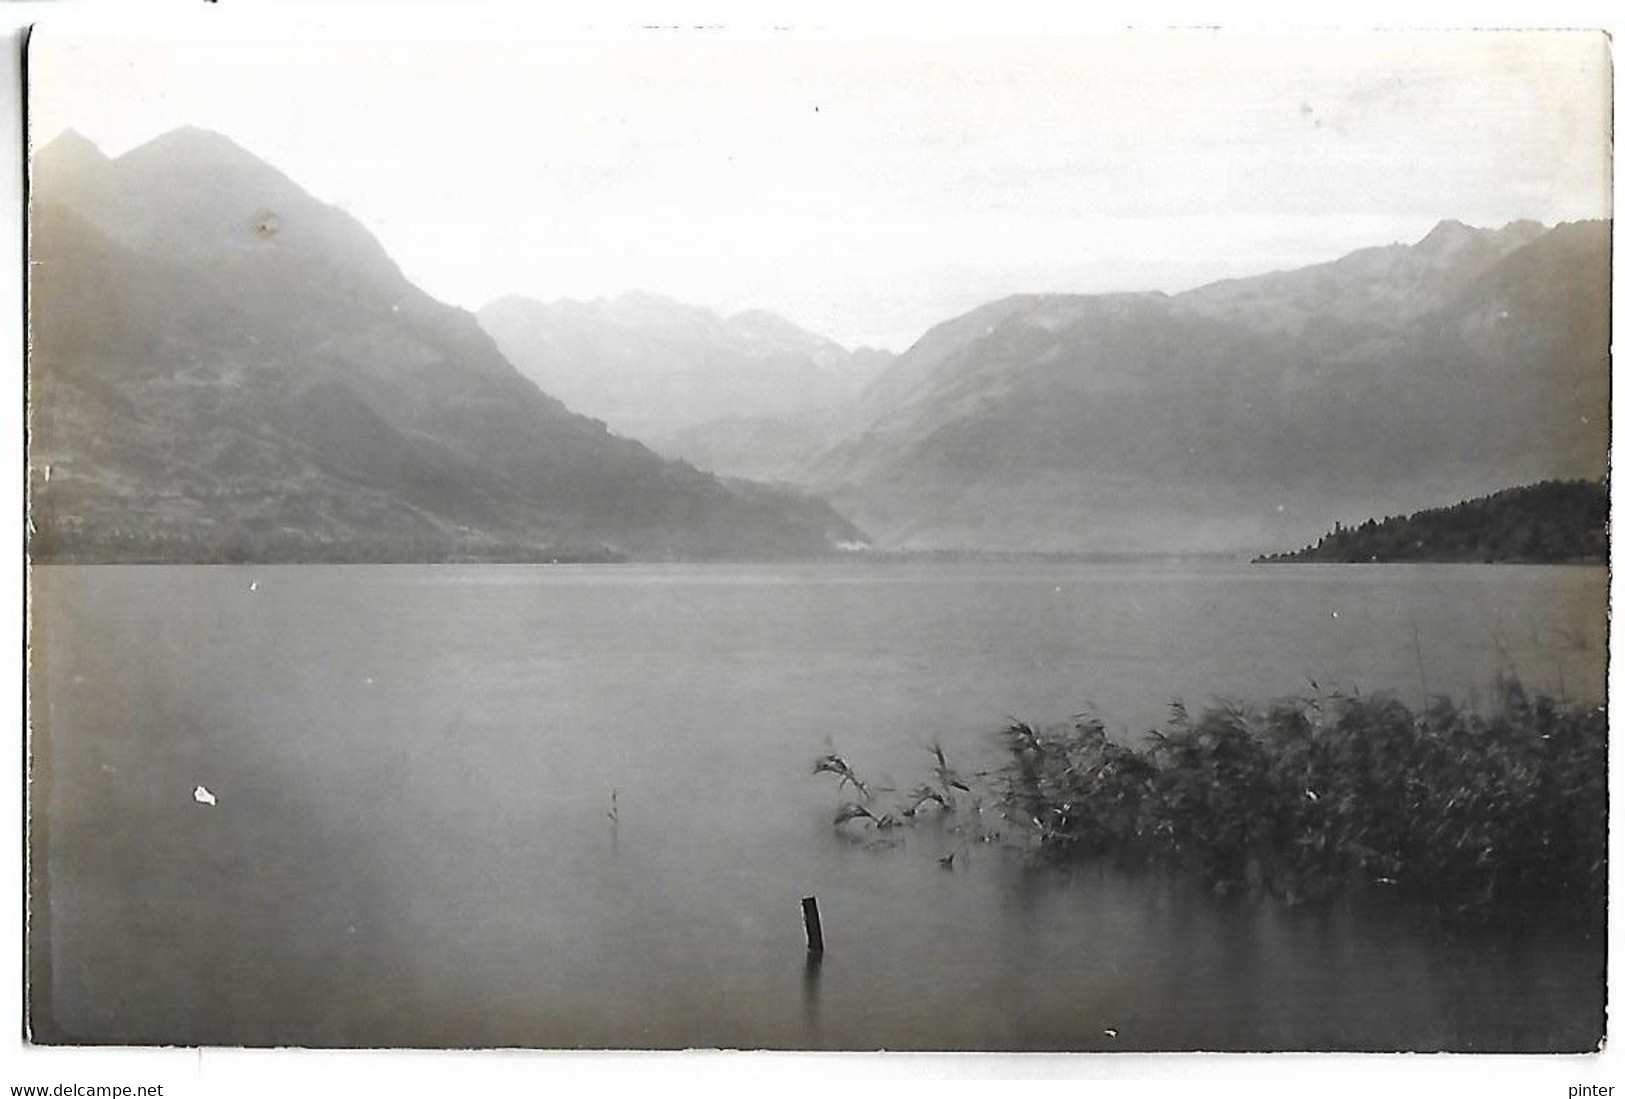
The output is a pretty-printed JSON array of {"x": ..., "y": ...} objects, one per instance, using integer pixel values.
[{"x": 765, "y": 538}]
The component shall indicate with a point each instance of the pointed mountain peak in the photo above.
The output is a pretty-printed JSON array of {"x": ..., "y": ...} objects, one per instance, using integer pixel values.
[
  {"x": 1449, "y": 233},
  {"x": 70, "y": 159},
  {"x": 71, "y": 145},
  {"x": 191, "y": 143},
  {"x": 191, "y": 156},
  {"x": 184, "y": 194}
]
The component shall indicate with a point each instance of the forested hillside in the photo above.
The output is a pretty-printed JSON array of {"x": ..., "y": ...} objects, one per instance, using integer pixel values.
[{"x": 1554, "y": 522}]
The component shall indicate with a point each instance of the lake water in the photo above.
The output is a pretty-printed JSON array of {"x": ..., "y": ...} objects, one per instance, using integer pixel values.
[{"x": 413, "y": 767}]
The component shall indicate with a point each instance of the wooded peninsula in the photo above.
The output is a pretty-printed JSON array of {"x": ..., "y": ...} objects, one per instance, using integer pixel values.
[{"x": 1551, "y": 523}]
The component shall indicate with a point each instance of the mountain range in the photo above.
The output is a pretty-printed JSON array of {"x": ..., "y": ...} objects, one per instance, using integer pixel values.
[
  {"x": 652, "y": 367},
  {"x": 1247, "y": 413},
  {"x": 224, "y": 368}
]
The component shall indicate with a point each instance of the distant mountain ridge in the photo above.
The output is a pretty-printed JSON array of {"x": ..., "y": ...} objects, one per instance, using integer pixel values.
[
  {"x": 224, "y": 368},
  {"x": 1373, "y": 288},
  {"x": 653, "y": 367},
  {"x": 1231, "y": 417}
]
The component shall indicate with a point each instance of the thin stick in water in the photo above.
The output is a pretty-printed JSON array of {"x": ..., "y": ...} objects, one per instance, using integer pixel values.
[{"x": 815, "y": 927}]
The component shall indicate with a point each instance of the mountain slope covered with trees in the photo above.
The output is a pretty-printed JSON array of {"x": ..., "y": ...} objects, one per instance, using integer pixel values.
[{"x": 1554, "y": 522}]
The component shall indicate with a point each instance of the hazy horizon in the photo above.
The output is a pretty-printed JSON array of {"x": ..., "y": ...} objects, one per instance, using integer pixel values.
[
  {"x": 907, "y": 181},
  {"x": 736, "y": 309}
]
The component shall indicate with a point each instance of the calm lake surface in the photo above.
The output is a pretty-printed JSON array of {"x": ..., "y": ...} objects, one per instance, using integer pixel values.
[{"x": 413, "y": 769}]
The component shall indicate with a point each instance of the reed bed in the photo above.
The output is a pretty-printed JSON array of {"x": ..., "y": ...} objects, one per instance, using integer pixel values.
[{"x": 1480, "y": 815}]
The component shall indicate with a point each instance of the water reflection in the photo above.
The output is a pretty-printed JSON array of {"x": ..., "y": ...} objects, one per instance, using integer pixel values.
[{"x": 809, "y": 999}]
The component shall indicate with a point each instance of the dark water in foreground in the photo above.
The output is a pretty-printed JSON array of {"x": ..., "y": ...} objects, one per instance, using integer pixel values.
[{"x": 413, "y": 768}]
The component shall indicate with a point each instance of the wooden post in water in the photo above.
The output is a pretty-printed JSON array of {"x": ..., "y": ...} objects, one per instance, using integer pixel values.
[{"x": 815, "y": 928}]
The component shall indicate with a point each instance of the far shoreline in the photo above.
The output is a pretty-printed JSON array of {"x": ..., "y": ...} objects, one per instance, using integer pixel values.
[{"x": 883, "y": 559}]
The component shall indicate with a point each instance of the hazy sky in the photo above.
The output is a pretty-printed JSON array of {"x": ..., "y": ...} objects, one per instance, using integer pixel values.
[{"x": 869, "y": 188}]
